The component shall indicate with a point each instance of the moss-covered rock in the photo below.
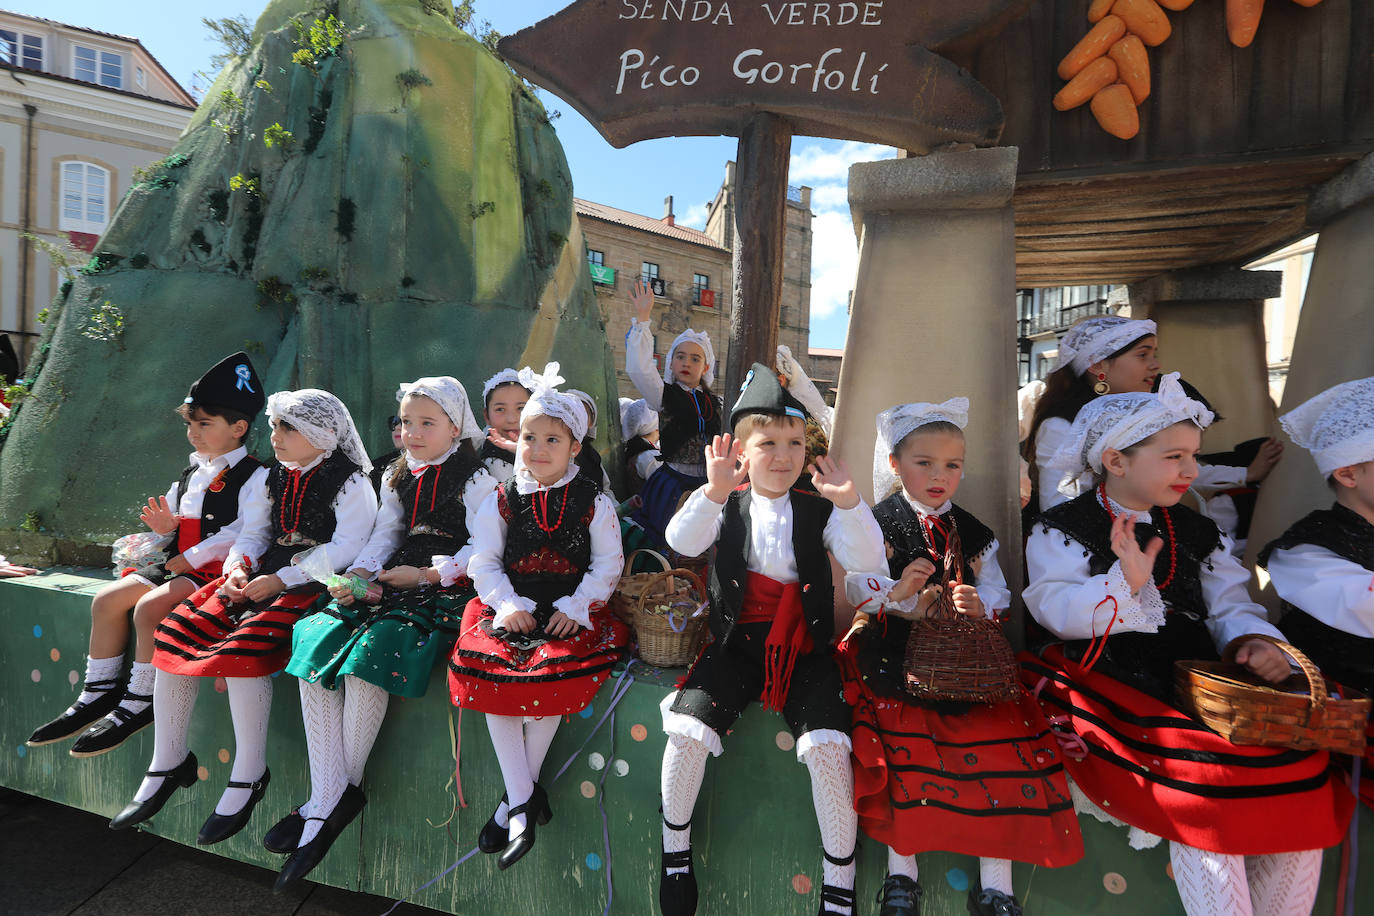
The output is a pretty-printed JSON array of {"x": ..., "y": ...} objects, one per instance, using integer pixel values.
[{"x": 414, "y": 225}]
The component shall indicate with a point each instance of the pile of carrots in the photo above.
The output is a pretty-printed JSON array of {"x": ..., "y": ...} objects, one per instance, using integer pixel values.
[{"x": 1109, "y": 65}]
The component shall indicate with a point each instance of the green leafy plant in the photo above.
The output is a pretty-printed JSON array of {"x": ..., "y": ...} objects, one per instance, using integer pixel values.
[
  {"x": 481, "y": 209},
  {"x": 247, "y": 185},
  {"x": 231, "y": 108},
  {"x": 264, "y": 85},
  {"x": 320, "y": 40},
  {"x": 105, "y": 322},
  {"x": 31, "y": 523},
  {"x": 59, "y": 257},
  {"x": 278, "y": 136},
  {"x": 410, "y": 80}
]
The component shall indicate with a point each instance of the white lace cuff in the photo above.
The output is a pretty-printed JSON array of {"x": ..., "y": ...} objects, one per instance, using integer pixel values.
[
  {"x": 507, "y": 607},
  {"x": 1142, "y": 612},
  {"x": 453, "y": 568},
  {"x": 678, "y": 723},
  {"x": 819, "y": 736},
  {"x": 869, "y": 592},
  {"x": 574, "y": 609}
]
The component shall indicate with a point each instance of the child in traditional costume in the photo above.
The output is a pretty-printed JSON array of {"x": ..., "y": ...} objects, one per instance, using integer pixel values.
[
  {"x": 916, "y": 757},
  {"x": 537, "y": 642},
  {"x": 355, "y": 653},
  {"x": 503, "y": 398},
  {"x": 1131, "y": 582},
  {"x": 772, "y": 620},
  {"x": 239, "y": 627},
  {"x": 1323, "y": 566},
  {"x": 639, "y": 433},
  {"x": 588, "y": 458},
  {"x": 204, "y": 509},
  {"x": 689, "y": 415}
]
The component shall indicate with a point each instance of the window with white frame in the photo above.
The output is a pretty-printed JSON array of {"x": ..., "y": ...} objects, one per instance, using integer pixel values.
[
  {"x": 104, "y": 68},
  {"x": 21, "y": 50},
  {"x": 85, "y": 198},
  {"x": 141, "y": 78}
]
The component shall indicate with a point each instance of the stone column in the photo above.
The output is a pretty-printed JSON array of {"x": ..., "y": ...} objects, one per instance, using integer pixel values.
[
  {"x": 934, "y": 317},
  {"x": 1211, "y": 329},
  {"x": 1334, "y": 341}
]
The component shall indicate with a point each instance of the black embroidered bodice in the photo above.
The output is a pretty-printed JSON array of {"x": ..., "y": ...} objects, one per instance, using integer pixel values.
[
  {"x": 220, "y": 505},
  {"x": 303, "y": 507},
  {"x": 548, "y": 539},
  {"x": 686, "y": 422},
  {"x": 434, "y": 513}
]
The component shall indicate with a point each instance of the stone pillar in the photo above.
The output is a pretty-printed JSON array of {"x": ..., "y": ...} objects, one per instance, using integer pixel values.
[
  {"x": 933, "y": 317},
  {"x": 1334, "y": 341},
  {"x": 1211, "y": 329}
]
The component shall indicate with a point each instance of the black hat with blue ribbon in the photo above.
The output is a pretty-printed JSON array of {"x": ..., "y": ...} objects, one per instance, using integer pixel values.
[
  {"x": 763, "y": 393},
  {"x": 231, "y": 383}
]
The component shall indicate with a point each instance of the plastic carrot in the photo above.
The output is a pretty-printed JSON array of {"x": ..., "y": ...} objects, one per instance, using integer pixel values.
[
  {"x": 1114, "y": 108},
  {"x": 1177, "y": 5},
  {"x": 1242, "y": 19},
  {"x": 1132, "y": 66},
  {"x": 1144, "y": 18},
  {"x": 1101, "y": 8},
  {"x": 1307, "y": 2},
  {"x": 1099, "y": 73},
  {"x": 1091, "y": 46}
]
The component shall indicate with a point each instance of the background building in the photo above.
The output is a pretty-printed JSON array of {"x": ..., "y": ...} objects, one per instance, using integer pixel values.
[{"x": 80, "y": 110}]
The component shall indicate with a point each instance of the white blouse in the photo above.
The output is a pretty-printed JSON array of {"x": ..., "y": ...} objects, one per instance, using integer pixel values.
[
  {"x": 640, "y": 367},
  {"x": 1332, "y": 589},
  {"x": 191, "y": 503},
  {"x": 488, "y": 572}
]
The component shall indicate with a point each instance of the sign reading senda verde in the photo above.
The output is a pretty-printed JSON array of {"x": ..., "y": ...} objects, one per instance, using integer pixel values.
[{"x": 859, "y": 69}]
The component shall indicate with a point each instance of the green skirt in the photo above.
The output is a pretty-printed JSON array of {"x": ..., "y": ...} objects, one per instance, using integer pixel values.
[{"x": 394, "y": 644}]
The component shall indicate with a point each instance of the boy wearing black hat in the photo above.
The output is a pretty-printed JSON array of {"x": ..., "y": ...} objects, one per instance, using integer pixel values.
[
  {"x": 202, "y": 508},
  {"x": 772, "y": 621}
]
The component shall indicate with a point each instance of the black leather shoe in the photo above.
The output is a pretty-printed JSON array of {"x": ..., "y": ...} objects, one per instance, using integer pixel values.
[
  {"x": 285, "y": 834},
  {"x": 303, "y": 861},
  {"x": 493, "y": 837},
  {"x": 992, "y": 903},
  {"x": 899, "y": 896},
  {"x": 179, "y": 777},
  {"x": 81, "y": 717},
  {"x": 114, "y": 729},
  {"x": 677, "y": 894},
  {"x": 220, "y": 827},
  {"x": 836, "y": 900},
  {"x": 535, "y": 809}
]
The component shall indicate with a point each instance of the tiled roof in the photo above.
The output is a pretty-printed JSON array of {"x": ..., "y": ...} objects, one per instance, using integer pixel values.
[
  {"x": 825, "y": 351},
  {"x": 644, "y": 223}
]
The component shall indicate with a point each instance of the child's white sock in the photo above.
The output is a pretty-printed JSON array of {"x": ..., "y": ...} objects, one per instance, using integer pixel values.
[
  {"x": 174, "y": 699},
  {"x": 1284, "y": 883},
  {"x": 140, "y": 684},
  {"x": 508, "y": 740},
  {"x": 1210, "y": 883},
  {"x": 322, "y": 714},
  {"x": 684, "y": 766},
  {"x": 364, "y": 708},
  {"x": 898, "y": 864},
  {"x": 99, "y": 671},
  {"x": 538, "y": 736},
  {"x": 995, "y": 875},
  {"x": 832, "y": 793},
  {"x": 250, "y": 706}
]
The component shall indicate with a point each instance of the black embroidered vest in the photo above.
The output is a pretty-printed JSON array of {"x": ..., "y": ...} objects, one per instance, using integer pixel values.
[
  {"x": 686, "y": 422},
  {"x": 491, "y": 457},
  {"x": 544, "y": 565},
  {"x": 589, "y": 463},
  {"x": 730, "y": 570},
  {"x": 1344, "y": 656},
  {"x": 303, "y": 519},
  {"x": 219, "y": 507},
  {"x": 434, "y": 514},
  {"x": 633, "y": 449},
  {"x": 1145, "y": 660}
]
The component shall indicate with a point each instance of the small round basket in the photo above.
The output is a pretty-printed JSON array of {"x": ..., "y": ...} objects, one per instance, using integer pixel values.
[
  {"x": 626, "y": 595},
  {"x": 670, "y": 618},
  {"x": 1299, "y": 713}
]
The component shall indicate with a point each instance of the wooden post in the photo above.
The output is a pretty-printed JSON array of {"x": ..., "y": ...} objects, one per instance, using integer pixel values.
[{"x": 765, "y": 146}]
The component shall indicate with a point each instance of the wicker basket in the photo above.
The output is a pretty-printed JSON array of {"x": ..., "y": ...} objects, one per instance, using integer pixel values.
[
  {"x": 626, "y": 595},
  {"x": 670, "y": 618},
  {"x": 1300, "y": 713},
  {"x": 953, "y": 657}
]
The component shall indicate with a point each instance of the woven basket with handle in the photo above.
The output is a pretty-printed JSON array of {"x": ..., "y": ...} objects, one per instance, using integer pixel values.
[
  {"x": 1299, "y": 713},
  {"x": 670, "y": 618},
  {"x": 950, "y": 656},
  {"x": 626, "y": 595}
]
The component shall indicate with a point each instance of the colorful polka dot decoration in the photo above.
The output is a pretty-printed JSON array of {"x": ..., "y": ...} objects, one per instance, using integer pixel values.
[
  {"x": 957, "y": 878},
  {"x": 35, "y": 675},
  {"x": 22, "y": 751},
  {"x": 801, "y": 884},
  {"x": 223, "y": 755},
  {"x": 596, "y": 761},
  {"x": 1114, "y": 883},
  {"x": 55, "y": 655},
  {"x": 221, "y": 685},
  {"x": 588, "y": 789},
  {"x": 638, "y": 732},
  {"x": 73, "y": 677},
  {"x": 587, "y": 711},
  {"x": 37, "y": 631},
  {"x": 593, "y": 861},
  {"x": 202, "y": 773},
  {"x": 785, "y": 741},
  {"x": 622, "y": 767}
]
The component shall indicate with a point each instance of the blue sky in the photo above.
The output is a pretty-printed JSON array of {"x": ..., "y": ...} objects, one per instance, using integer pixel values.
[{"x": 637, "y": 178}]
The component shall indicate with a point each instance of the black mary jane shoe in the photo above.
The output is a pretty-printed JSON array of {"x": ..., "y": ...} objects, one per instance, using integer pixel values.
[
  {"x": 494, "y": 838},
  {"x": 992, "y": 903},
  {"x": 79, "y": 718},
  {"x": 220, "y": 827},
  {"x": 677, "y": 894},
  {"x": 179, "y": 777},
  {"x": 285, "y": 835},
  {"x": 899, "y": 896},
  {"x": 118, "y": 726},
  {"x": 534, "y": 810},
  {"x": 834, "y": 899},
  {"x": 304, "y": 859}
]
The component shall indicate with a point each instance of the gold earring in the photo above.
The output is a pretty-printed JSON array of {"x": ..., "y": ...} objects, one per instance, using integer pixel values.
[{"x": 1102, "y": 387}]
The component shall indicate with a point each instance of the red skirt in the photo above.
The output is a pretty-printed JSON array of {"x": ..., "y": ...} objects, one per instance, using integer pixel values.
[
  {"x": 204, "y": 637},
  {"x": 985, "y": 782},
  {"x": 556, "y": 677},
  {"x": 1158, "y": 769}
]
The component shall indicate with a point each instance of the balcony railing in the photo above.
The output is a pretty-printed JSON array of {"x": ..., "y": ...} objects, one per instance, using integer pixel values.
[{"x": 1056, "y": 320}]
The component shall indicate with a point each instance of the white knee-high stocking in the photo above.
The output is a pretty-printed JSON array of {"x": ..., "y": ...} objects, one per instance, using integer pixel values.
[
  {"x": 898, "y": 864},
  {"x": 364, "y": 708},
  {"x": 1210, "y": 883},
  {"x": 832, "y": 793},
  {"x": 250, "y": 706},
  {"x": 1284, "y": 883},
  {"x": 508, "y": 741},
  {"x": 995, "y": 874},
  {"x": 322, "y": 712},
  {"x": 538, "y": 734},
  {"x": 684, "y": 766},
  {"x": 174, "y": 699}
]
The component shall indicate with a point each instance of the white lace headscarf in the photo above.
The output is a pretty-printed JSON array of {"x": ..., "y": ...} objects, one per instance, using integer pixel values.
[
  {"x": 323, "y": 420},
  {"x": 525, "y": 378},
  {"x": 896, "y": 423},
  {"x": 1336, "y": 426},
  {"x": 452, "y": 398},
  {"x": 550, "y": 402},
  {"x": 1094, "y": 339},
  {"x": 701, "y": 339},
  {"x": 504, "y": 377},
  {"x": 591, "y": 407},
  {"x": 1119, "y": 421},
  {"x": 637, "y": 419}
]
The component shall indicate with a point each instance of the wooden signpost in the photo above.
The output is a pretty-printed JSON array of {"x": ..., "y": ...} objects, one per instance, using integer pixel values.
[{"x": 763, "y": 70}]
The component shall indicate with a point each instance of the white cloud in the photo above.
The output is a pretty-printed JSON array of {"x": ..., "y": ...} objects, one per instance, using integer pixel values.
[
  {"x": 834, "y": 263},
  {"x": 694, "y": 218},
  {"x": 830, "y": 197},
  {"x": 826, "y": 162}
]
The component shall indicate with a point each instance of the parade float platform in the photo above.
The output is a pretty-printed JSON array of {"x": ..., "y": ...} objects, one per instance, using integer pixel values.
[{"x": 755, "y": 836}]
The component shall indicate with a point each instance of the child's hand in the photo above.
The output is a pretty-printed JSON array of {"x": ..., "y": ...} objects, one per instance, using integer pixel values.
[
  {"x": 178, "y": 566},
  {"x": 642, "y": 298},
  {"x": 500, "y": 441},
  {"x": 722, "y": 476},
  {"x": 263, "y": 587},
  {"x": 1268, "y": 455},
  {"x": 913, "y": 579},
  {"x": 967, "y": 602},
  {"x": 1136, "y": 565},
  {"x": 158, "y": 515},
  {"x": 520, "y": 622},
  {"x": 232, "y": 589},
  {"x": 561, "y": 626},
  {"x": 1265, "y": 659},
  {"x": 342, "y": 593},
  {"x": 832, "y": 481}
]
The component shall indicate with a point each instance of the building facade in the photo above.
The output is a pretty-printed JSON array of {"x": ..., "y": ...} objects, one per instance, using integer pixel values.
[
  {"x": 80, "y": 110},
  {"x": 691, "y": 273}
]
